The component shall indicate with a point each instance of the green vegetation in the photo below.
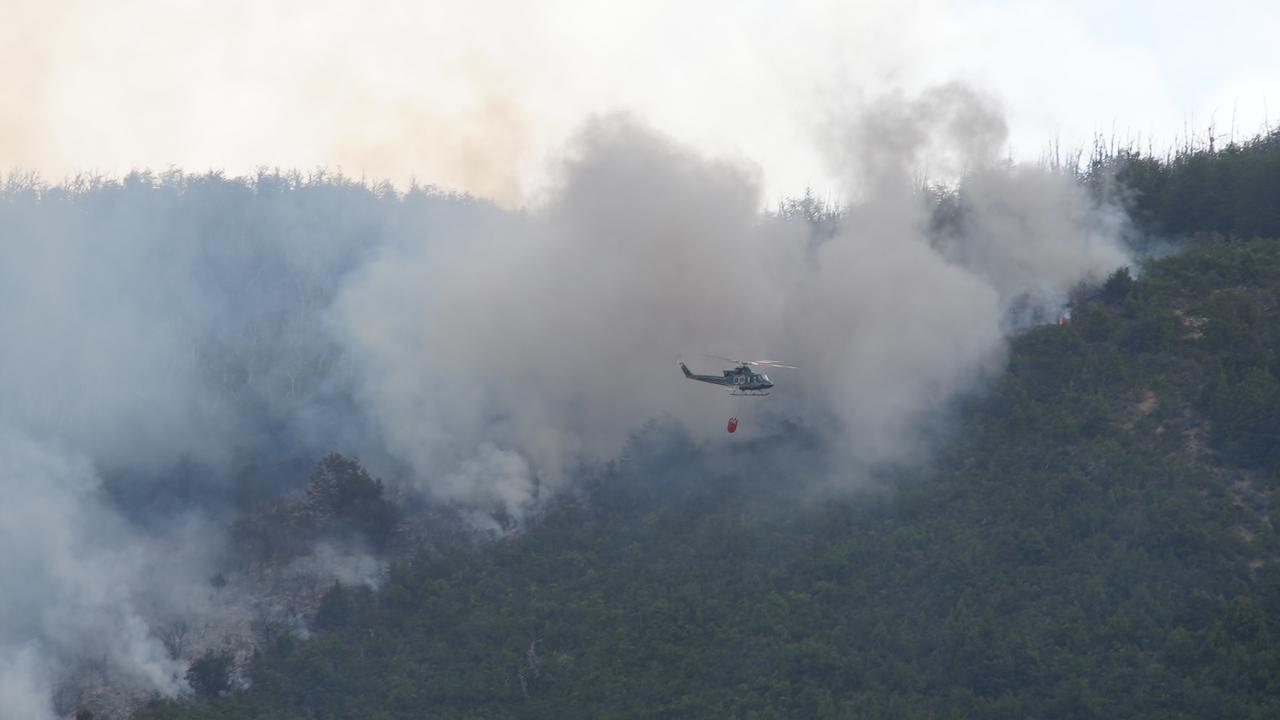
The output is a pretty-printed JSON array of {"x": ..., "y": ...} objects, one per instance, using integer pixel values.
[
  {"x": 344, "y": 490},
  {"x": 210, "y": 675},
  {"x": 1230, "y": 191},
  {"x": 1094, "y": 541},
  {"x": 342, "y": 502}
]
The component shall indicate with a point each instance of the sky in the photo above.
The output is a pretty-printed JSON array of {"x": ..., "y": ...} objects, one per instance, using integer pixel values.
[{"x": 482, "y": 96}]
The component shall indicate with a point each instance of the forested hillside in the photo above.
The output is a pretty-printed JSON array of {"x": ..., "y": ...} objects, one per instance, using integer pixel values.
[
  {"x": 1232, "y": 191},
  {"x": 1091, "y": 537}
]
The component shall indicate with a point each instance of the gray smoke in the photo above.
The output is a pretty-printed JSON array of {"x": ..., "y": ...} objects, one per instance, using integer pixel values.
[
  {"x": 1033, "y": 235},
  {"x": 165, "y": 342},
  {"x": 166, "y": 333},
  {"x": 76, "y": 580},
  {"x": 554, "y": 337}
]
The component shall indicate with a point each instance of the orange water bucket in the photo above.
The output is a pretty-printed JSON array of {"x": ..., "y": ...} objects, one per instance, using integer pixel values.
[{"x": 733, "y": 424}]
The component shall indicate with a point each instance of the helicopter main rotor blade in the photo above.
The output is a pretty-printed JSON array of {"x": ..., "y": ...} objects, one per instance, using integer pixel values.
[{"x": 763, "y": 363}]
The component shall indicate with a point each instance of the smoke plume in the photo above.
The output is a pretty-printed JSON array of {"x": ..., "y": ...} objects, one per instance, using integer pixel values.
[{"x": 173, "y": 338}]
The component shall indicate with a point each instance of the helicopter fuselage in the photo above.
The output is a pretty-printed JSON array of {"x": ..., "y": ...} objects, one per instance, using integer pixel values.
[{"x": 742, "y": 379}]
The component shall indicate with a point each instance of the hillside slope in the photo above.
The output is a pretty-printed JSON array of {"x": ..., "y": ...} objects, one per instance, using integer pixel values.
[
  {"x": 1094, "y": 541},
  {"x": 1091, "y": 538}
]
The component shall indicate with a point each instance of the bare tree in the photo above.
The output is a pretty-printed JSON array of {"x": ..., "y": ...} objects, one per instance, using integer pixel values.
[
  {"x": 270, "y": 623},
  {"x": 532, "y": 664},
  {"x": 175, "y": 636}
]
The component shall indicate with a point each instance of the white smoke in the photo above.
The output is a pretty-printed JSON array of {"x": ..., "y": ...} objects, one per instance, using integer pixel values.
[
  {"x": 76, "y": 581},
  {"x": 1033, "y": 235},
  {"x": 472, "y": 354},
  {"x": 24, "y": 682},
  {"x": 553, "y": 337}
]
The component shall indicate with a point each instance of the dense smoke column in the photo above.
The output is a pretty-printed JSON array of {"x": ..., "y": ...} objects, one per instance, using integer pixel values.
[{"x": 178, "y": 338}]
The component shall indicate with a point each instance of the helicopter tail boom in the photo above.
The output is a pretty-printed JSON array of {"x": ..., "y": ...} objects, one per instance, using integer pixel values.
[{"x": 713, "y": 379}]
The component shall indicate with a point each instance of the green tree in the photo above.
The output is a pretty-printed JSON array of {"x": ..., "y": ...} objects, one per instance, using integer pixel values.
[
  {"x": 336, "y": 608},
  {"x": 342, "y": 487},
  {"x": 210, "y": 675},
  {"x": 1117, "y": 287}
]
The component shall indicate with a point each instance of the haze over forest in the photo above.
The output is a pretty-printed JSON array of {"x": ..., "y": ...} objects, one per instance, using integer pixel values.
[{"x": 246, "y": 417}]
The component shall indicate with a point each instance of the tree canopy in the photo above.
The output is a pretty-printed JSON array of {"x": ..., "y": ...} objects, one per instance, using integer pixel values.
[{"x": 1092, "y": 540}]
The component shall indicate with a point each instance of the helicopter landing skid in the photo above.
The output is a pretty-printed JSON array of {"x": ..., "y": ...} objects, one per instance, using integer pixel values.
[{"x": 751, "y": 393}]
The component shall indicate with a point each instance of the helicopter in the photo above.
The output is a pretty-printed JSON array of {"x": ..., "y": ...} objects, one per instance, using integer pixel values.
[{"x": 742, "y": 378}]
